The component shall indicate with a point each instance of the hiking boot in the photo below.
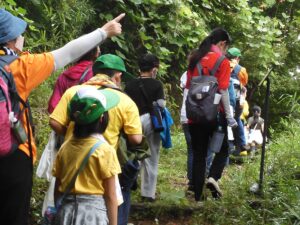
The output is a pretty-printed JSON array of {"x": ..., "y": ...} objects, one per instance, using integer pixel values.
[
  {"x": 213, "y": 186},
  {"x": 231, "y": 122}
]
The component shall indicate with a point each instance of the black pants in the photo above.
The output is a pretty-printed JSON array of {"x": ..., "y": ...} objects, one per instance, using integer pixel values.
[
  {"x": 201, "y": 134},
  {"x": 15, "y": 188}
]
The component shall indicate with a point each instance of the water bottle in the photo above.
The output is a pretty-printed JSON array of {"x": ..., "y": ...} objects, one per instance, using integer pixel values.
[
  {"x": 18, "y": 129},
  {"x": 49, "y": 215}
]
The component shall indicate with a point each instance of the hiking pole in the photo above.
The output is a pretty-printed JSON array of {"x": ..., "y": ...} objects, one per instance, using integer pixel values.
[
  {"x": 263, "y": 148},
  {"x": 257, "y": 188}
]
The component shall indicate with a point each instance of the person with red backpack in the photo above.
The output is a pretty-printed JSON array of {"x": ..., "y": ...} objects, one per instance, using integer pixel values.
[
  {"x": 209, "y": 54},
  {"x": 19, "y": 76}
]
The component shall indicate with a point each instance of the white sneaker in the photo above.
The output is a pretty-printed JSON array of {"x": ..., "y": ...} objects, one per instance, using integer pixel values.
[{"x": 213, "y": 186}]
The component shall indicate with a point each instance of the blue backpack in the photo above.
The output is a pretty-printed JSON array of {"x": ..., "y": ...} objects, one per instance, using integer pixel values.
[{"x": 236, "y": 81}]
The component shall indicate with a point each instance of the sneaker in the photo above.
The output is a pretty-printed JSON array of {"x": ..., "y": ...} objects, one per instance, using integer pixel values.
[
  {"x": 245, "y": 147},
  {"x": 231, "y": 122},
  {"x": 213, "y": 186},
  {"x": 243, "y": 153}
]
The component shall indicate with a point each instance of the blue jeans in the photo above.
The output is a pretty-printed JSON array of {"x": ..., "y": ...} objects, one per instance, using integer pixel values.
[
  {"x": 239, "y": 134},
  {"x": 124, "y": 208},
  {"x": 127, "y": 179},
  {"x": 188, "y": 140},
  {"x": 209, "y": 159}
]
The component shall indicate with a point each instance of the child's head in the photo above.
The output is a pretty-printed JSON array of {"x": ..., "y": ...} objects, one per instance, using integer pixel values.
[
  {"x": 88, "y": 109},
  {"x": 256, "y": 111}
]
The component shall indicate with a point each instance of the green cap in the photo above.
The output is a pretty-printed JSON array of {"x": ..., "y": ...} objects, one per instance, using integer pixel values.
[
  {"x": 235, "y": 52},
  {"x": 113, "y": 62},
  {"x": 89, "y": 103}
]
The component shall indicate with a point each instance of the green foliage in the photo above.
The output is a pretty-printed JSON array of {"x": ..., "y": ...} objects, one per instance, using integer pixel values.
[{"x": 266, "y": 31}]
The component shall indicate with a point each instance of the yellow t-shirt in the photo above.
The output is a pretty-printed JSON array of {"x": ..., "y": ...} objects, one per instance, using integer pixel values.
[
  {"x": 124, "y": 116},
  {"x": 245, "y": 112},
  {"x": 102, "y": 164},
  {"x": 29, "y": 71}
]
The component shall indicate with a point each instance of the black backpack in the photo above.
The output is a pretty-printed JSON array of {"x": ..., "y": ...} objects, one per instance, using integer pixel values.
[{"x": 200, "y": 107}]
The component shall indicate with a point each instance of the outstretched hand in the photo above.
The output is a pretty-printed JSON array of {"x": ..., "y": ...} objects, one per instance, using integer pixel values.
[{"x": 113, "y": 27}]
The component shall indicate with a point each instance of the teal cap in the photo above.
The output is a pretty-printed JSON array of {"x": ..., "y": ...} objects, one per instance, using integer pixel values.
[
  {"x": 89, "y": 103},
  {"x": 235, "y": 52},
  {"x": 113, "y": 62}
]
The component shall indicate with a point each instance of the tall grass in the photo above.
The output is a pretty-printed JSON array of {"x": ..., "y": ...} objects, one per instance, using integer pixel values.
[{"x": 278, "y": 204}]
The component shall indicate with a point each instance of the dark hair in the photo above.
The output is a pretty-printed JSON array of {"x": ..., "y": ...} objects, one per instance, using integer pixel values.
[
  {"x": 108, "y": 72},
  {"x": 256, "y": 108},
  {"x": 216, "y": 35},
  {"x": 90, "y": 56},
  {"x": 99, "y": 126},
  {"x": 147, "y": 62}
]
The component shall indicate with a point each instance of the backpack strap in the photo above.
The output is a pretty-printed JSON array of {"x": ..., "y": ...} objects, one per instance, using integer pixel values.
[
  {"x": 103, "y": 86},
  {"x": 217, "y": 65},
  {"x": 199, "y": 68},
  {"x": 215, "y": 68},
  {"x": 7, "y": 59},
  {"x": 235, "y": 72},
  {"x": 4, "y": 61},
  {"x": 145, "y": 95},
  {"x": 84, "y": 74},
  {"x": 81, "y": 168}
]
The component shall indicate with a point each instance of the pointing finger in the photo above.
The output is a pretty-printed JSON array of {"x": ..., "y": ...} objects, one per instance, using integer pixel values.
[{"x": 118, "y": 18}]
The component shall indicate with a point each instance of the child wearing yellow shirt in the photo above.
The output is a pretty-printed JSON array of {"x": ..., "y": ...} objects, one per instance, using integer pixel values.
[{"x": 92, "y": 199}]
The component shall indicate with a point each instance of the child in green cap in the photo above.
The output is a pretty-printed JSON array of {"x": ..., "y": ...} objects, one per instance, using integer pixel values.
[{"x": 89, "y": 193}]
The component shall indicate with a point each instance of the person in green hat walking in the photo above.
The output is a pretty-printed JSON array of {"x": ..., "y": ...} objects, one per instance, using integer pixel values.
[
  {"x": 239, "y": 77},
  {"x": 109, "y": 70},
  {"x": 92, "y": 199}
]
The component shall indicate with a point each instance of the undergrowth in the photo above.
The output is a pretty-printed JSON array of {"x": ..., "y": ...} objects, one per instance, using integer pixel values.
[{"x": 278, "y": 203}]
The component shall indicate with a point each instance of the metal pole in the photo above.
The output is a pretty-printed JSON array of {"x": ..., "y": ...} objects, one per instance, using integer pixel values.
[{"x": 265, "y": 131}]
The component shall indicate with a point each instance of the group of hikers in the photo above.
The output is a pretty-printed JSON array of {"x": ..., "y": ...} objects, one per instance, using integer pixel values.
[{"x": 89, "y": 113}]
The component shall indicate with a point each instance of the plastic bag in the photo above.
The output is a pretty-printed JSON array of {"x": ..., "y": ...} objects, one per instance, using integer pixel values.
[
  {"x": 44, "y": 169},
  {"x": 48, "y": 203},
  {"x": 120, "y": 199}
]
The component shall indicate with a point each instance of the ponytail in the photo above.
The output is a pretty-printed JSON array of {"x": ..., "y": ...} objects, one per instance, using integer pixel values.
[
  {"x": 216, "y": 35},
  {"x": 203, "y": 49}
]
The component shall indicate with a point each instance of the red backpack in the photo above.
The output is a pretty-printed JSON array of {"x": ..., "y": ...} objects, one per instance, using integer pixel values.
[{"x": 12, "y": 132}]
